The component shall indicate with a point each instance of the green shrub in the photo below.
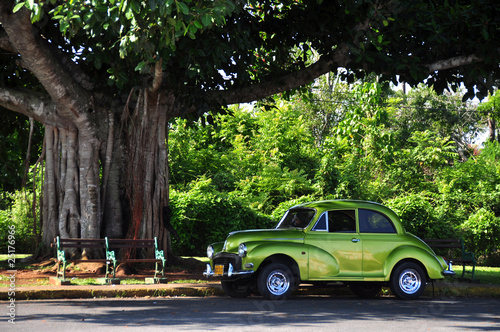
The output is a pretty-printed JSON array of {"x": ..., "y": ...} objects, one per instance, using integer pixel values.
[
  {"x": 418, "y": 216},
  {"x": 202, "y": 216},
  {"x": 17, "y": 217},
  {"x": 482, "y": 232}
]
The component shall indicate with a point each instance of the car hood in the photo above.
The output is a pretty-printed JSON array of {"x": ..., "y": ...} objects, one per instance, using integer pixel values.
[{"x": 255, "y": 235}]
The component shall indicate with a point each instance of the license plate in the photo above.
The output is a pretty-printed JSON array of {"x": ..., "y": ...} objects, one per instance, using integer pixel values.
[{"x": 219, "y": 270}]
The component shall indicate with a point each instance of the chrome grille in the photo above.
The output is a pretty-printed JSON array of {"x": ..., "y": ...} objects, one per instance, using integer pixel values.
[{"x": 225, "y": 259}]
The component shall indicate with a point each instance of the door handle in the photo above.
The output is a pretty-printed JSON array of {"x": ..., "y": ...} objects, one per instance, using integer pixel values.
[{"x": 355, "y": 240}]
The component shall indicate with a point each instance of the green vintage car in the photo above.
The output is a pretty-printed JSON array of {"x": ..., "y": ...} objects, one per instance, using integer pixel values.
[{"x": 361, "y": 244}]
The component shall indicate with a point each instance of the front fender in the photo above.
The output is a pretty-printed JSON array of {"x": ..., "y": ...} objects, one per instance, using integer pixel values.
[
  {"x": 258, "y": 252},
  {"x": 431, "y": 263},
  {"x": 218, "y": 246}
]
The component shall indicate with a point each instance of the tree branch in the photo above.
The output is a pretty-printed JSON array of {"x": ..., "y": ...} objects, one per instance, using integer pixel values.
[
  {"x": 38, "y": 59},
  {"x": 157, "y": 77},
  {"x": 339, "y": 58},
  {"x": 5, "y": 42},
  {"x": 30, "y": 105},
  {"x": 454, "y": 62}
]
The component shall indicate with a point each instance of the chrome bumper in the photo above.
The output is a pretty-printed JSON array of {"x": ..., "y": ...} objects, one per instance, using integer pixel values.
[
  {"x": 450, "y": 271},
  {"x": 230, "y": 272}
]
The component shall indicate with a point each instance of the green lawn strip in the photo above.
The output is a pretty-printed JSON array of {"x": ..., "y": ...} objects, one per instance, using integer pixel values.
[
  {"x": 17, "y": 256},
  {"x": 485, "y": 274}
]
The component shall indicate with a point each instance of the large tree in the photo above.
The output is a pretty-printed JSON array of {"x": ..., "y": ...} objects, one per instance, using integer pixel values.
[{"x": 106, "y": 76}]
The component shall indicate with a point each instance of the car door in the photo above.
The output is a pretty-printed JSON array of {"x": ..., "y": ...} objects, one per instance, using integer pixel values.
[
  {"x": 335, "y": 250},
  {"x": 379, "y": 238}
]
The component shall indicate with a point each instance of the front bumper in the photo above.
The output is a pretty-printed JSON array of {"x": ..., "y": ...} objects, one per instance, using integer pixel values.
[{"x": 230, "y": 272}]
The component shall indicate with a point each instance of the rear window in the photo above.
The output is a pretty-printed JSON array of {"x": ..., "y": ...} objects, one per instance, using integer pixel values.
[{"x": 374, "y": 222}]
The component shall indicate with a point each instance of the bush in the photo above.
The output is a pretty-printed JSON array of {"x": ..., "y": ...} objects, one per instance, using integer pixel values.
[
  {"x": 418, "y": 216},
  {"x": 19, "y": 217},
  {"x": 482, "y": 232},
  {"x": 203, "y": 216}
]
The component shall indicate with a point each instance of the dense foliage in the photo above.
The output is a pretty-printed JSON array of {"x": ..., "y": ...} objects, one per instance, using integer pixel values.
[
  {"x": 106, "y": 77},
  {"x": 411, "y": 152}
]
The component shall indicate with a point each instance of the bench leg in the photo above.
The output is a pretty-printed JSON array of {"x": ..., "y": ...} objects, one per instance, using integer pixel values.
[
  {"x": 157, "y": 271},
  {"x": 107, "y": 270},
  {"x": 63, "y": 272},
  {"x": 157, "y": 279}
]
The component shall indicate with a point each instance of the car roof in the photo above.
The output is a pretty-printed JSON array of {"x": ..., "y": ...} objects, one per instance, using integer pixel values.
[
  {"x": 347, "y": 204},
  {"x": 326, "y": 205}
]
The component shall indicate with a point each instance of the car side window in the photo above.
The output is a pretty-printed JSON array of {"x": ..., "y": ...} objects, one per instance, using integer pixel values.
[
  {"x": 374, "y": 222},
  {"x": 321, "y": 223},
  {"x": 342, "y": 221}
]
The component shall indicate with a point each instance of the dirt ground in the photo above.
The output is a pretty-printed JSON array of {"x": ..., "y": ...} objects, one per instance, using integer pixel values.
[{"x": 38, "y": 272}]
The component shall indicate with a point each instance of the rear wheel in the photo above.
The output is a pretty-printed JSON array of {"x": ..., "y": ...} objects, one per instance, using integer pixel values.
[
  {"x": 276, "y": 281},
  {"x": 237, "y": 288},
  {"x": 408, "y": 281}
]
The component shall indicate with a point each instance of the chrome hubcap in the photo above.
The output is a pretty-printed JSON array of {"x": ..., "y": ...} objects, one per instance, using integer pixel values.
[
  {"x": 277, "y": 283},
  {"x": 409, "y": 281}
]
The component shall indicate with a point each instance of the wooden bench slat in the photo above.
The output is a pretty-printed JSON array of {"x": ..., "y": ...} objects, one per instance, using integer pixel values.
[
  {"x": 139, "y": 260},
  {"x": 115, "y": 246},
  {"x": 79, "y": 246},
  {"x": 93, "y": 260},
  {"x": 131, "y": 241}
]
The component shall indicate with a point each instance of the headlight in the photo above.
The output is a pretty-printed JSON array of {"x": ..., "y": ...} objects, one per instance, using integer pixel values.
[
  {"x": 210, "y": 251},
  {"x": 242, "y": 250}
]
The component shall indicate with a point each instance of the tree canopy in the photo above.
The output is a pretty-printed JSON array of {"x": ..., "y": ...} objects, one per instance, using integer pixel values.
[{"x": 106, "y": 76}]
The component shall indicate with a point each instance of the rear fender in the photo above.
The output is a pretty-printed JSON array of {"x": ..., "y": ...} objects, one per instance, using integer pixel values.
[{"x": 432, "y": 265}]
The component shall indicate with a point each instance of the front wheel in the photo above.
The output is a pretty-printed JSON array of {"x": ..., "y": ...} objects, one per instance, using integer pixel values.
[
  {"x": 276, "y": 281},
  {"x": 408, "y": 281}
]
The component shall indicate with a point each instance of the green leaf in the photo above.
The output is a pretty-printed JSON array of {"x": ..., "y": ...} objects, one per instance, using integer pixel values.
[
  {"x": 63, "y": 26},
  {"x": 181, "y": 6},
  {"x": 486, "y": 35},
  {"x": 206, "y": 20},
  {"x": 141, "y": 66},
  {"x": 198, "y": 25},
  {"x": 18, "y": 7}
]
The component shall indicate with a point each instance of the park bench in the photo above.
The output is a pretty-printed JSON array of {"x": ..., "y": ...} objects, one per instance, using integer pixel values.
[
  {"x": 454, "y": 251},
  {"x": 110, "y": 246}
]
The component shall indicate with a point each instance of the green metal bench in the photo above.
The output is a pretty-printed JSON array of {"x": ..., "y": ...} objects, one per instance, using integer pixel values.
[
  {"x": 133, "y": 244},
  {"x": 109, "y": 246},
  {"x": 452, "y": 248}
]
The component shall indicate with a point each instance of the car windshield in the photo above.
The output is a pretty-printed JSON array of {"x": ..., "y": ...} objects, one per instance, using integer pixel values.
[{"x": 297, "y": 217}]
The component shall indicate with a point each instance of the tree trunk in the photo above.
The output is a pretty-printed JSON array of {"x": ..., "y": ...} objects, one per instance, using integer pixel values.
[
  {"x": 492, "y": 129},
  {"x": 146, "y": 168}
]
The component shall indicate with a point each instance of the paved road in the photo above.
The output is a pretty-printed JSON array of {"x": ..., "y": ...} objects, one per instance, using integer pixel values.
[{"x": 254, "y": 314}]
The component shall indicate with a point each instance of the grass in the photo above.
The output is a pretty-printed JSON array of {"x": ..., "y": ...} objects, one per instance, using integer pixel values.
[
  {"x": 485, "y": 274},
  {"x": 18, "y": 256},
  {"x": 201, "y": 259}
]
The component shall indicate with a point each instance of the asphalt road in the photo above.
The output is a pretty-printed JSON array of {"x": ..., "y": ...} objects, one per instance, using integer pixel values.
[{"x": 253, "y": 314}]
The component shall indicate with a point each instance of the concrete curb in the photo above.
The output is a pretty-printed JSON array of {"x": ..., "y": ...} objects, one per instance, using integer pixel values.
[
  {"x": 440, "y": 289},
  {"x": 110, "y": 291}
]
